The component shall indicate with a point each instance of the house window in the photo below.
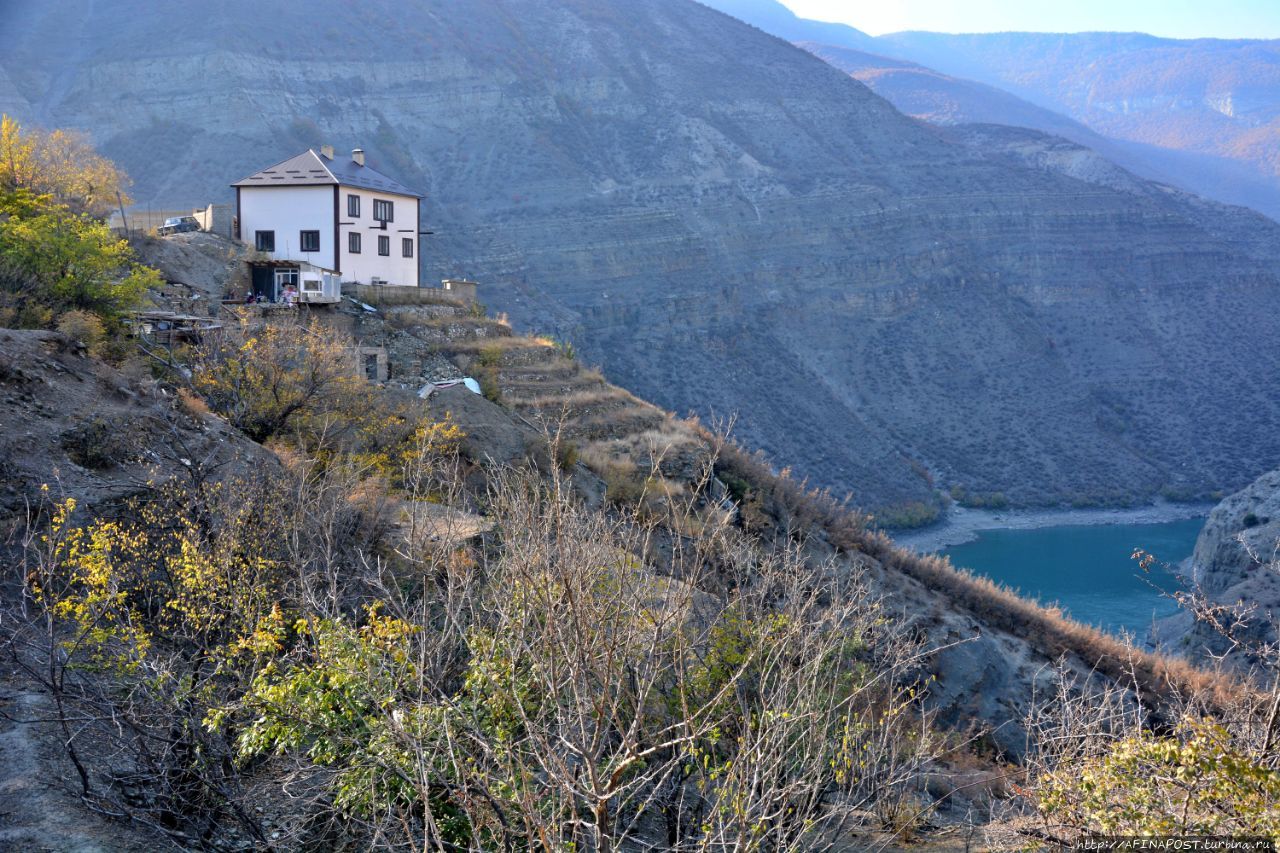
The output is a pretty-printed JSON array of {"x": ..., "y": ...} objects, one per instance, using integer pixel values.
[
  {"x": 264, "y": 241},
  {"x": 309, "y": 241},
  {"x": 353, "y": 243},
  {"x": 406, "y": 247},
  {"x": 384, "y": 245},
  {"x": 353, "y": 206},
  {"x": 384, "y": 211}
]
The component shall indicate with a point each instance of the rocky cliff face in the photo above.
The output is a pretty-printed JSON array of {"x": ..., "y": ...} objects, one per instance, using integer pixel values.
[
  {"x": 729, "y": 225},
  {"x": 1237, "y": 564}
]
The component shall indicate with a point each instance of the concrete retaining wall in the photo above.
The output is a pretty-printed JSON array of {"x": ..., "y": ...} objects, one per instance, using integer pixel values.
[{"x": 390, "y": 294}]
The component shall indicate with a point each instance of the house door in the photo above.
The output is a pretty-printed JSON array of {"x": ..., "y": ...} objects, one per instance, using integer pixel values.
[
  {"x": 264, "y": 284},
  {"x": 285, "y": 277}
]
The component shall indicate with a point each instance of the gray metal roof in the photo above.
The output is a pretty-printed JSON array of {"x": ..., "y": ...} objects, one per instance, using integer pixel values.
[{"x": 313, "y": 169}]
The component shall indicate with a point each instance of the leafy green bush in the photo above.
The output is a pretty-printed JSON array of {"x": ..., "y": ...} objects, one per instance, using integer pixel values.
[
  {"x": 566, "y": 455},
  {"x": 978, "y": 500},
  {"x": 69, "y": 262},
  {"x": 489, "y": 386},
  {"x": 909, "y": 515},
  {"x": 1199, "y": 783},
  {"x": 56, "y": 252}
]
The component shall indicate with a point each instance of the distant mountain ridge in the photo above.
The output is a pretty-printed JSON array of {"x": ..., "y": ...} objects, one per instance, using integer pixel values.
[
  {"x": 1211, "y": 96},
  {"x": 1204, "y": 115},
  {"x": 727, "y": 224},
  {"x": 941, "y": 99},
  {"x": 775, "y": 18}
]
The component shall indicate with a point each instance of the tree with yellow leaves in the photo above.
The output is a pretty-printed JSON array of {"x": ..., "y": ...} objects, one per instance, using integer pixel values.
[
  {"x": 61, "y": 164},
  {"x": 56, "y": 252},
  {"x": 280, "y": 377}
]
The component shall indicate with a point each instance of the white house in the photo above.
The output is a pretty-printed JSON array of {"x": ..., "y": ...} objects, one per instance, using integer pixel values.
[{"x": 337, "y": 216}]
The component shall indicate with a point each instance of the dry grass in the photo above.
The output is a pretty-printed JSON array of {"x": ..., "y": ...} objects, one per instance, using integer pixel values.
[
  {"x": 797, "y": 508},
  {"x": 193, "y": 404},
  {"x": 467, "y": 321},
  {"x": 502, "y": 341},
  {"x": 590, "y": 396},
  {"x": 599, "y": 457},
  {"x": 646, "y": 447},
  {"x": 559, "y": 370},
  {"x": 636, "y": 418},
  {"x": 1051, "y": 633}
]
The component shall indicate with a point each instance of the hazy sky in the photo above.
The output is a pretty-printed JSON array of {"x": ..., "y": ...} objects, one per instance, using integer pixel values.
[{"x": 1171, "y": 18}]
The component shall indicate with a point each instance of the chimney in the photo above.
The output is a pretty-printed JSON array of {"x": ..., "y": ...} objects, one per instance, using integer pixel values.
[
  {"x": 327, "y": 151},
  {"x": 357, "y": 154}
]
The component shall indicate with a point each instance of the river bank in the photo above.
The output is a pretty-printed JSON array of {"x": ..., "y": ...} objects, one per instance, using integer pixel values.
[{"x": 962, "y": 525}]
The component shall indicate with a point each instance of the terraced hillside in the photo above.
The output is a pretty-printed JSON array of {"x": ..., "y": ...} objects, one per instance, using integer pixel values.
[{"x": 631, "y": 444}]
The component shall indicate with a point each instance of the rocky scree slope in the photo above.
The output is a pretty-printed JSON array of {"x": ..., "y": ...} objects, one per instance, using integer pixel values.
[{"x": 728, "y": 225}]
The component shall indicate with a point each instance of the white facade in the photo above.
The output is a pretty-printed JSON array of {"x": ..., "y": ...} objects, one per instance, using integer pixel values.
[
  {"x": 300, "y": 211},
  {"x": 367, "y": 265},
  {"x": 285, "y": 212}
]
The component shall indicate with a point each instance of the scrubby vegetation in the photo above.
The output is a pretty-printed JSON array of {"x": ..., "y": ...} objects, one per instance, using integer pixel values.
[
  {"x": 57, "y": 256},
  {"x": 1162, "y": 748},
  {"x": 576, "y": 679},
  {"x": 1101, "y": 763},
  {"x": 910, "y": 515},
  {"x": 327, "y": 654}
]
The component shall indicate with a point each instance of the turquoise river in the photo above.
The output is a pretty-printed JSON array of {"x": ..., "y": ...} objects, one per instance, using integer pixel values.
[{"x": 1087, "y": 570}]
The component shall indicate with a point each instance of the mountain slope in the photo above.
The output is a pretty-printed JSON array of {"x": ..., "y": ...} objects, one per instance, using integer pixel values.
[
  {"x": 776, "y": 19},
  {"x": 941, "y": 99},
  {"x": 1156, "y": 106},
  {"x": 728, "y": 224},
  {"x": 1207, "y": 95}
]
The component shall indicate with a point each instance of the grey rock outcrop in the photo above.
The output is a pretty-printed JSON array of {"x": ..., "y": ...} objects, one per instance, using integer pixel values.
[
  {"x": 1236, "y": 564},
  {"x": 729, "y": 225}
]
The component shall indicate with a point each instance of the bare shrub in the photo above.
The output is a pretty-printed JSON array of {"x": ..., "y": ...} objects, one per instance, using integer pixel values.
[
  {"x": 83, "y": 327},
  {"x": 557, "y": 691},
  {"x": 1204, "y": 761},
  {"x": 349, "y": 643},
  {"x": 98, "y": 443}
]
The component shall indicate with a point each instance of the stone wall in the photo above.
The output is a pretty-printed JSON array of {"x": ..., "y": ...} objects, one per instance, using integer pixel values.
[
  {"x": 389, "y": 294},
  {"x": 463, "y": 291},
  {"x": 216, "y": 219}
]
